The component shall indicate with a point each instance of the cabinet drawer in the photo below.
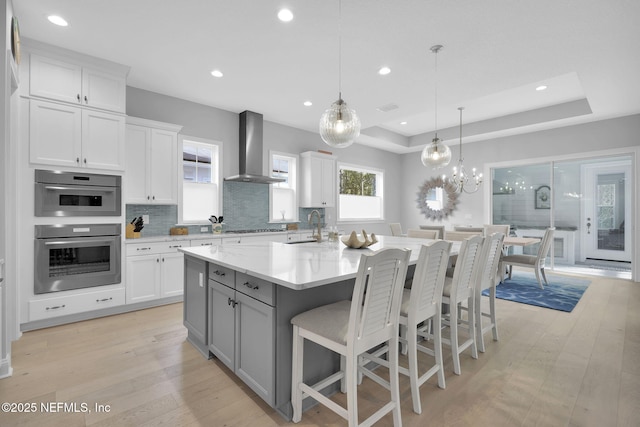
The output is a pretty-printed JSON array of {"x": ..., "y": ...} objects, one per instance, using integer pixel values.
[
  {"x": 257, "y": 288},
  {"x": 134, "y": 249},
  {"x": 223, "y": 275},
  {"x": 71, "y": 304},
  {"x": 206, "y": 242}
]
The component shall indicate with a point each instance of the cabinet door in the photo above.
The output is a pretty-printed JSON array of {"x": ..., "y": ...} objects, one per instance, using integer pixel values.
[
  {"x": 55, "y": 134},
  {"x": 55, "y": 79},
  {"x": 172, "y": 272},
  {"x": 222, "y": 323},
  {"x": 328, "y": 191},
  {"x": 143, "y": 278},
  {"x": 103, "y": 140},
  {"x": 255, "y": 338},
  {"x": 136, "y": 177},
  {"x": 103, "y": 90},
  {"x": 316, "y": 179},
  {"x": 164, "y": 165},
  {"x": 195, "y": 299}
]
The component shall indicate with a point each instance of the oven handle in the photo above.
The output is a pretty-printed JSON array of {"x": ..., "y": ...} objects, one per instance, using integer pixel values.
[
  {"x": 82, "y": 240},
  {"x": 79, "y": 187}
]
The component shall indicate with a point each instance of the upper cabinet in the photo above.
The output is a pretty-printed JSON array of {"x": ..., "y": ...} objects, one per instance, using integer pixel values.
[
  {"x": 151, "y": 162},
  {"x": 317, "y": 180},
  {"x": 81, "y": 85},
  {"x": 76, "y": 108}
]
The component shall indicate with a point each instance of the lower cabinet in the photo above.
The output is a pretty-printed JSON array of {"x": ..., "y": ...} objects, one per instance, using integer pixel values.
[
  {"x": 73, "y": 302},
  {"x": 154, "y": 270},
  {"x": 195, "y": 303},
  {"x": 242, "y": 329}
]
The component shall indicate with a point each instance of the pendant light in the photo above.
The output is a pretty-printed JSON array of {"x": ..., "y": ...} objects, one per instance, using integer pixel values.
[
  {"x": 339, "y": 125},
  {"x": 461, "y": 181},
  {"x": 436, "y": 155}
]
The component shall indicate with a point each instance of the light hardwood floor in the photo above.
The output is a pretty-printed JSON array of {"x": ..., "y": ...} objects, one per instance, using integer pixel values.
[{"x": 549, "y": 369}]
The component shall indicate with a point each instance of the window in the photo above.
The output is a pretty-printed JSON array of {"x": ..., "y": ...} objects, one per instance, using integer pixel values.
[
  {"x": 200, "y": 180},
  {"x": 360, "y": 193},
  {"x": 283, "y": 200}
]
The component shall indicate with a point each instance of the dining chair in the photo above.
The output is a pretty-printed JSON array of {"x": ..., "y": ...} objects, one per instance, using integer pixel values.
[
  {"x": 422, "y": 234},
  {"x": 438, "y": 228},
  {"x": 490, "y": 260},
  {"x": 489, "y": 229},
  {"x": 421, "y": 305},
  {"x": 351, "y": 328},
  {"x": 458, "y": 236},
  {"x": 468, "y": 228},
  {"x": 536, "y": 262},
  {"x": 396, "y": 229},
  {"x": 459, "y": 289}
]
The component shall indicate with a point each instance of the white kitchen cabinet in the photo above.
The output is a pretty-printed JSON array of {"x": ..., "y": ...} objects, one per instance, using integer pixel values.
[
  {"x": 72, "y": 302},
  {"x": 242, "y": 328},
  {"x": 151, "y": 175},
  {"x": 64, "y": 135},
  {"x": 318, "y": 180},
  {"x": 74, "y": 83},
  {"x": 154, "y": 270}
]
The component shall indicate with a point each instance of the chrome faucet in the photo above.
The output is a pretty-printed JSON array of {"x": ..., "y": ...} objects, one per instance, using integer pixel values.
[{"x": 319, "y": 236}]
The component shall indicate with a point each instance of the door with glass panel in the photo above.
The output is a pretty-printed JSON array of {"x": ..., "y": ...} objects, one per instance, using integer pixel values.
[{"x": 606, "y": 211}]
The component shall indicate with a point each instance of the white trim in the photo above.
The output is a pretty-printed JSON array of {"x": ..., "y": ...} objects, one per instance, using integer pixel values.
[
  {"x": 295, "y": 177},
  {"x": 380, "y": 173}
]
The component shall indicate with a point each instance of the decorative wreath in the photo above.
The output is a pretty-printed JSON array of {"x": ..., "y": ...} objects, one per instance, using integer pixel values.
[{"x": 448, "y": 206}]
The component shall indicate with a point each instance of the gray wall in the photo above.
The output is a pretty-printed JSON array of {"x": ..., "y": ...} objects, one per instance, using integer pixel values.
[
  {"x": 220, "y": 125},
  {"x": 562, "y": 142}
]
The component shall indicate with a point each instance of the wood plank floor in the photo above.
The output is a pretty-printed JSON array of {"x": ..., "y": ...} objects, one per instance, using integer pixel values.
[{"x": 549, "y": 369}]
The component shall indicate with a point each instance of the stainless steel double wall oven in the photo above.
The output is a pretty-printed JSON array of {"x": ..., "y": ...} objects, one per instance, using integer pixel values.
[{"x": 79, "y": 255}]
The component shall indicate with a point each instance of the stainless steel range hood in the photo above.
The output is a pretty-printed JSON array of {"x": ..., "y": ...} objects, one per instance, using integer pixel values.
[{"x": 251, "y": 151}]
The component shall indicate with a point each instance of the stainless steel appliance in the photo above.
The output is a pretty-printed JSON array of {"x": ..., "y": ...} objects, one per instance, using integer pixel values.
[
  {"x": 74, "y": 256},
  {"x": 77, "y": 194}
]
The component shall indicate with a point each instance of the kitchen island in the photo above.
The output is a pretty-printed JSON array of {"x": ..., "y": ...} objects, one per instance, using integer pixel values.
[{"x": 239, "y": 301}]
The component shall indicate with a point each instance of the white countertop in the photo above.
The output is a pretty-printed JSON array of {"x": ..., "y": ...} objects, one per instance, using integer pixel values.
[
  {"x": 302, "y": 265},
  {"x": 201, "y": 236}
]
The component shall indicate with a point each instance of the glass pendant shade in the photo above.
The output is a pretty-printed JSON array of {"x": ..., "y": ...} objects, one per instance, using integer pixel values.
[
  {"x": 339, "y": 125},
  {"x": 436, "y": 155}
]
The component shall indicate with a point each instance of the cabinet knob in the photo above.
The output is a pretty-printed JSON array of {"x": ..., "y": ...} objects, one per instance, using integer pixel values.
[
  {"x": 148, "y": 197},
  {"x": 77, "y": 159},
  {"x": 153, "y": 197},
  {"x": 86, "y": 101},
  {"x": 85, "y": 160},
  {"x": 78, "y": 97}
]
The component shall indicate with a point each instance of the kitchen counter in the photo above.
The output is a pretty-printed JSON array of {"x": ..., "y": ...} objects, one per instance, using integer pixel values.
[
  {"x": 301, "y": 265},
  {"x": 239, "y": 300},
  {"x": 200, "y": 236}
]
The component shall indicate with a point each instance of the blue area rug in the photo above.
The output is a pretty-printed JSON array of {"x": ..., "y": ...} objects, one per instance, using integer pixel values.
[{"x": 562, "y": 293}]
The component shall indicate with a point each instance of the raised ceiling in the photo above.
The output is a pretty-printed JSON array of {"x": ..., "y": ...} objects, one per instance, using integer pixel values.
[{"x": 495, "y": 54}]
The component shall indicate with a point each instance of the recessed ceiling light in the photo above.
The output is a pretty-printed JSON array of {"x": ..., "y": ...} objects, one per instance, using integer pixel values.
[
  {"x": 403, "y": 123},
  {"x": 541, "y": 87},
  {"x": 384, "y": 71},
  {"x": 58, "y": 20},
  {"x": 217, "y": 73},
  {"x": 285, "y": 15},
  {"x": 308, "y": 103}
]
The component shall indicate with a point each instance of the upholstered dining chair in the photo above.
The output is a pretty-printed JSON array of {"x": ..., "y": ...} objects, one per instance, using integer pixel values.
[
  {"x": 422, "y": 234},
  {"x": 536, "y": 262},
  {"x": 459, "y": 289},
  {"x": 438, "y": 228},
  {"x": 421, "y": 305},
  {"x": 396, "y": 229},
  {"x": 351, "y": 328}
]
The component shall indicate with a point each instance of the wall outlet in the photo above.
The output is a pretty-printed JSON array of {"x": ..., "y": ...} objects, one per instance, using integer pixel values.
[
  {"x": 145, "y": 219},
  {"x": 204, "y": 229}
]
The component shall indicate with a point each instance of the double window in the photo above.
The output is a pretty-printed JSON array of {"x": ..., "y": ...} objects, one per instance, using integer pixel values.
[
  {"x": 200, "y": 180},
  {"x": 284, "y": 198},
  {"x": 360, "y": 193}
]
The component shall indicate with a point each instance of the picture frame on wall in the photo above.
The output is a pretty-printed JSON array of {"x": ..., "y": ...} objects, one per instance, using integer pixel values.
[{"x": 543, "y": 197}]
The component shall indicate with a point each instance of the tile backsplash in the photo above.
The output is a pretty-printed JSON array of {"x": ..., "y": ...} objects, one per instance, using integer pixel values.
[{"x": 246, "y": 207}]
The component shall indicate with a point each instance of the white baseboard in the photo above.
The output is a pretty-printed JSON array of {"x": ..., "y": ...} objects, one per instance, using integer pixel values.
[{"x": 5, "y": 367}]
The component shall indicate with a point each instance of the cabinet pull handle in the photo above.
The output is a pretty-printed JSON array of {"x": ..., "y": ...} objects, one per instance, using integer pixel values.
[
  {"x": 218, "y": 273},
  {"x": 104, "y": 299},
  {"x": 250, "y": 286},
  {"x": 232, "y": 303},
  {"x": 206, "y": 244},
  {"x": 175, "y": 246},
  {"x": 56, "y": 307},
  {"x": 143, "y": 249}
]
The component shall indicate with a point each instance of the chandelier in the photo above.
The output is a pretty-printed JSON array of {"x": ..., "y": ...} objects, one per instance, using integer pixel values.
[
  {"x": 461, "y": 181},
  {"x": 339, "y": 125},
  {"x": 436, "y": 155}
]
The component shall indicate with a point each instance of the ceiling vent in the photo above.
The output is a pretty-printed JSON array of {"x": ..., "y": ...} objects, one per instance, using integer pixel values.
[{"x": 388, "y": 107}]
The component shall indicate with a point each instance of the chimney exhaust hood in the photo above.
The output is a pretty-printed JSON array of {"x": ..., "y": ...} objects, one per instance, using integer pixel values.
[{"x": 251, "y": 151}]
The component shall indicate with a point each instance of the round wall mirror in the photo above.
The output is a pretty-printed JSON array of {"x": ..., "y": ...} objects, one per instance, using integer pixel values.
[{"x": 434, "y": 201}]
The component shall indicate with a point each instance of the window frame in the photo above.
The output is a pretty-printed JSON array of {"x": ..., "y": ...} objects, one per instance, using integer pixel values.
[
  {"x": 379, "y": 190},
  {"x": 198, "y": 141},
  {"x": 294, "y": 175}
]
